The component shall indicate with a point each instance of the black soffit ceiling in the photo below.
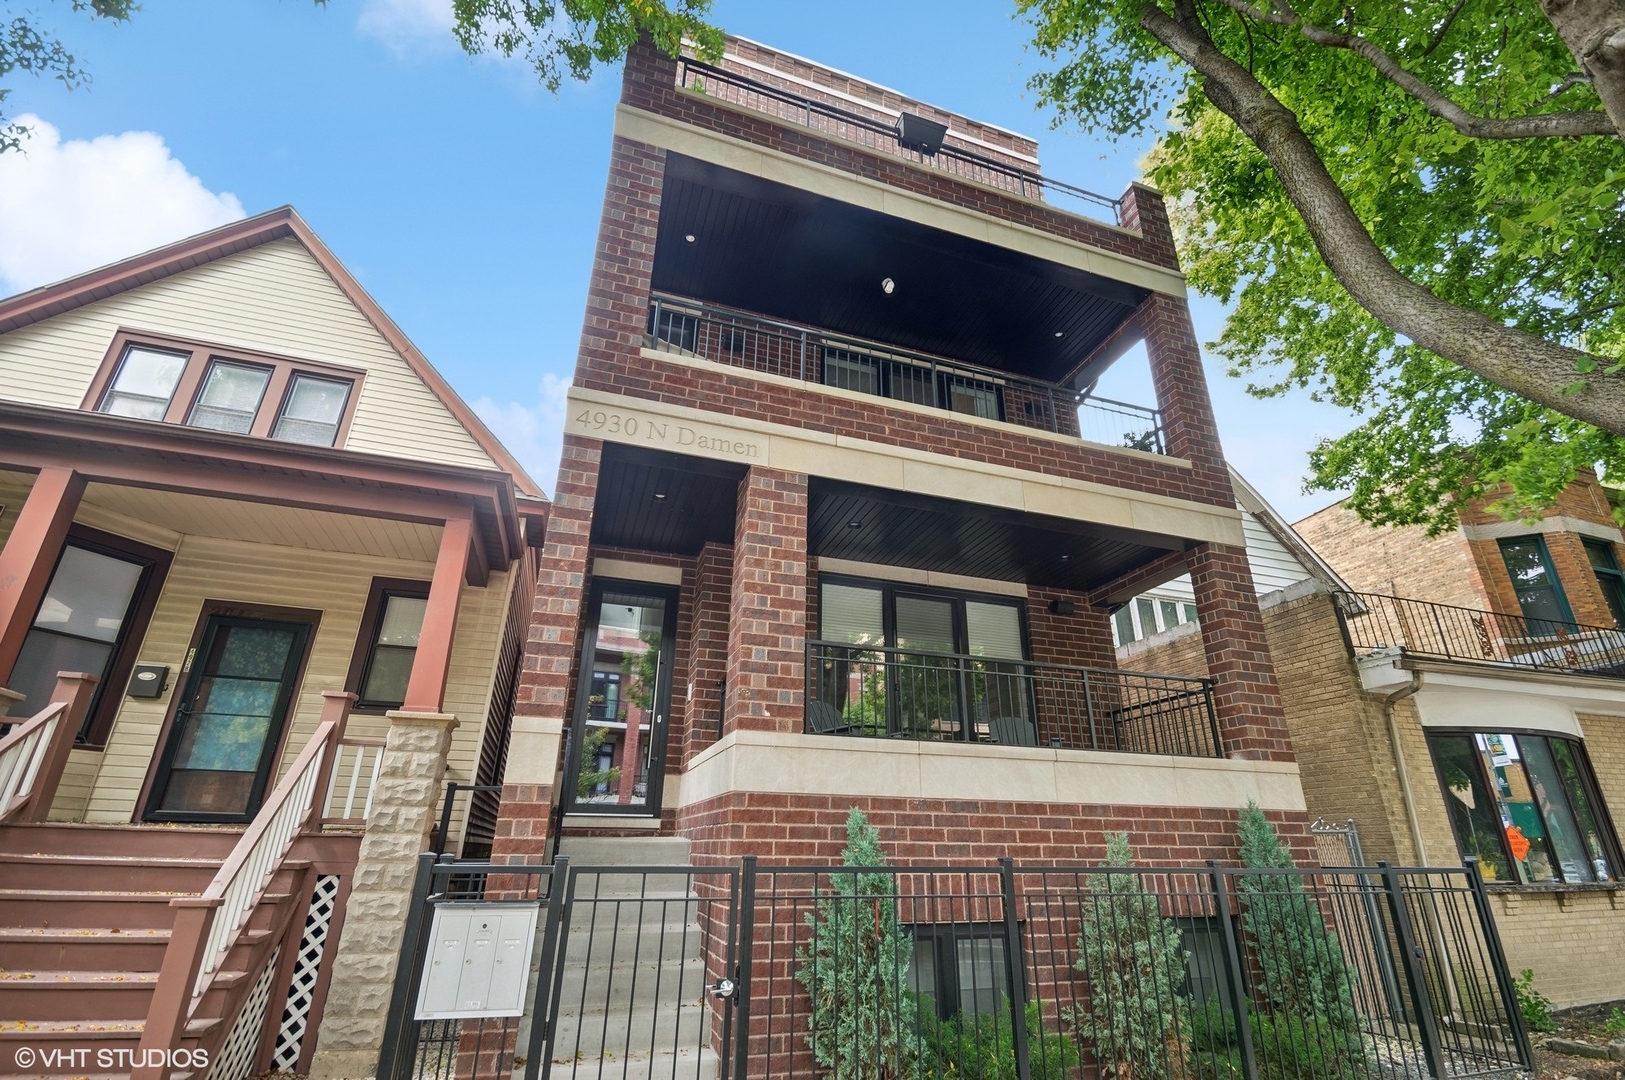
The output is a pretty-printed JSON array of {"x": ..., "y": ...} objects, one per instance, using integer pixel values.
[
  {"x": 850, "y": 521},
  {"x": 698, "y": 507},
  {"x": 893, "y": 528},
  {"x": 799, "y": 257}
]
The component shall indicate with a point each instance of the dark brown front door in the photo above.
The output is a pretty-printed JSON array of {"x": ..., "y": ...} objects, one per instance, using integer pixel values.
[{"x": 222, "y": 747}]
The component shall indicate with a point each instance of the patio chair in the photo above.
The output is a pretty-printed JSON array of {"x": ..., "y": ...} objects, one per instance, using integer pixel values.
[
  {"x": 1012, "y": 731},
  {"x": 825, "y": 719}
]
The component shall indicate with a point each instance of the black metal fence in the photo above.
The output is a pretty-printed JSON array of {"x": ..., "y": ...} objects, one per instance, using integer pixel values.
[
  {"x": 1148, "y": 973},
  {"x": 742, "y": 340},
  {"x": 1442, "y": 631},
  {"x": 865, "y": 691},
  {"x": 877, "y": 134}
]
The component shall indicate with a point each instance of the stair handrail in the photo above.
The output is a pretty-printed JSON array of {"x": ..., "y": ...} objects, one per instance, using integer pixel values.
[
  {"x": 34, "y": 755},
  {"x": 208, "y": 926}
]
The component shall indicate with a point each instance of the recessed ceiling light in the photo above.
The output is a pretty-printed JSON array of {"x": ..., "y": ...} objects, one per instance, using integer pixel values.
[
  {"x": 888, "y": 286},
  {"x": 660, "y": 494},
  {"x": 1058, "y": 333},
  {"x": 854, "y": 524},
  {"x": 1066, "y": 558},
  {"x": 689, "y": 237}
]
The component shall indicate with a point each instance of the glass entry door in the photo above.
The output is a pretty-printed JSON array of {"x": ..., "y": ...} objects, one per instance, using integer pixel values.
[
  {"x": 616, "y": 761},
  {"x": 223, "y": 744}
]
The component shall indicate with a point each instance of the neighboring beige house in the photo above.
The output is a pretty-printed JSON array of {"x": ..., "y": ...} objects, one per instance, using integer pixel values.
[
  {"x": 230, "y": 485},
  {"x": 1472, "y": 714}
]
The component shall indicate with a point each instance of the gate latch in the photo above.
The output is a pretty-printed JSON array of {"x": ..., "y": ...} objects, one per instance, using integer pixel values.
[{"x": 723, "y": 989}]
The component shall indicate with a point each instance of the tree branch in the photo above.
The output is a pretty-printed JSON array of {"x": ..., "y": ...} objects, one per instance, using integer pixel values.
[
  {"x": 1540, "y": 125},
  {"x": 1522, "y": 363},
  {"x": 1594, "y": 31}
]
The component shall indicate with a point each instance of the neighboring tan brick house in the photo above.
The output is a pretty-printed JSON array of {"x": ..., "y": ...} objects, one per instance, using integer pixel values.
[
  {"x": 837, "y": 523},
  {"x": 1447, "y": 719}
]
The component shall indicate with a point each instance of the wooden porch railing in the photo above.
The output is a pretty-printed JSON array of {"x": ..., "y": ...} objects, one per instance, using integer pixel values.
[
  {"x": 33, "y": 756},
  {"x": 356, "y": 766},
  {"x": 207, "y": 927}
]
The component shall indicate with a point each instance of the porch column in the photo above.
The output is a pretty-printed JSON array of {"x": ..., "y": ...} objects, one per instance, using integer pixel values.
[
  {"x": 404, "y": 806},
  {"x": 767, "y": 616},
  {"x": 1189, "y": 429},
  {"x": 30, "y": 556},
  {"x": 426, "y": 689},
  {"x": 541, "y": 707},
  {"x": 1245, "y": 695}
]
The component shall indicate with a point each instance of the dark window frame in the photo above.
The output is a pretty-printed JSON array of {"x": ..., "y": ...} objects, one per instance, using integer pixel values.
[
  {"x": 888, "y": 607},
  {"x": 201, "y": 356},
  {"x": 947, "y": 994},
  {"x": 1558, "y": 592},
  {"x": 1587, "y": 774},
  {"x": 366, "y": 639},
  {"x": 1610, "y": 579},
  {"x": 155, "y": 563}
]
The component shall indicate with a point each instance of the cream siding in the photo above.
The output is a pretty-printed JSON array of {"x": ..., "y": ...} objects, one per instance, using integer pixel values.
[
  {"x": 334, "y": 583},
  {"x": 274, "y": 298},
  {"x": 1274, "y": 567}
]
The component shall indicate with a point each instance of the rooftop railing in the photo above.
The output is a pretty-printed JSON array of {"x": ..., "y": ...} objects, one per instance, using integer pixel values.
[
  {"x": 1444, "y": 632},
  {"x": 876, "y": 134},
  {"x": 754, "y": 343},
  {"x": 866, "y": 691}
]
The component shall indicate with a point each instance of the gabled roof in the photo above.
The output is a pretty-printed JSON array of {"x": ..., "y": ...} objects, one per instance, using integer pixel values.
[{"x": 49, "y": 301}]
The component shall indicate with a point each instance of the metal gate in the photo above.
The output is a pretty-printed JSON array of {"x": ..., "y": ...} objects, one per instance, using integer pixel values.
[{"x": 630, "y": 975}]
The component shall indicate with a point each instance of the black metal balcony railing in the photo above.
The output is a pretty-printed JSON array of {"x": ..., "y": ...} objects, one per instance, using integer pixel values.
[
  {"x": 742, "y": 340},
  {"x": 1444, "y": 632},
  {"x": 871, "y": 692},
  {"x": 877, "y": 134}
]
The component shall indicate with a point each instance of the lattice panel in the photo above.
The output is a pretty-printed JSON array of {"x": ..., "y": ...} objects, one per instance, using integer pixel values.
[
  {"x": 236, "y": 1058},
  {"x": 307, "y": 967}
]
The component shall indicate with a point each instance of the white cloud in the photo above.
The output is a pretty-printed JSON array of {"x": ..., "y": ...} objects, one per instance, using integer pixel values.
[
  {"x": 405, "y": 25},
  {"x": 532, "y": 433},
  {"x": 71, "y": 206}
]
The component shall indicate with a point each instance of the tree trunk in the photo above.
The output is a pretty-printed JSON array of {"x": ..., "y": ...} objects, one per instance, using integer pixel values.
[
  {"x": 1523, "y": 363},
  {"x": 1594, "y": 31}
]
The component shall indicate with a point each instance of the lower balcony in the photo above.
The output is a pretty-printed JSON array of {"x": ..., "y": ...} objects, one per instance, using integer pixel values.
[{"x": 863, "y": 691}]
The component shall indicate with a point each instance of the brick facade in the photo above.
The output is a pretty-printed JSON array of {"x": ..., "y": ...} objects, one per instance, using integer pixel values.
[
  {"x": 710, "y": 601},
  {"x": 1245, "y": 696},
  {"x": 767, "y": 620}
]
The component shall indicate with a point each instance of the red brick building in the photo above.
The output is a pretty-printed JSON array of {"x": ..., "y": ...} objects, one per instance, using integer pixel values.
[{"x": 839, "y": 522}]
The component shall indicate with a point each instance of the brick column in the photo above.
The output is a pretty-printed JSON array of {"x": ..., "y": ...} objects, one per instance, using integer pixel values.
[
  {"x": 542, "y": 703},
  {"x": 1245, "y": 695},
  {"x": 767, "y": 611},
  {"x": 1189, "y": 430},
  {"x": 404, "y": 807},
  {"x": 708, "y": 646}
]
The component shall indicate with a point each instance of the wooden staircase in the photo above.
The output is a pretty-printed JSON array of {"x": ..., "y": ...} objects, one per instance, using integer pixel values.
[{"x": 85, "y": 918}]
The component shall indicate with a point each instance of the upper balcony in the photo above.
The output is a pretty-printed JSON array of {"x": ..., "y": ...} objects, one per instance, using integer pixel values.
[
  {"x": 1432, "y": 631},
  {"x": 885, "y": 122},
  {"x": 754, "y": 343}
]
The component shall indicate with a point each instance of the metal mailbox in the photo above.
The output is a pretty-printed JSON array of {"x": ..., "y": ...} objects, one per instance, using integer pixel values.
[{"x": 479, "y": 960}]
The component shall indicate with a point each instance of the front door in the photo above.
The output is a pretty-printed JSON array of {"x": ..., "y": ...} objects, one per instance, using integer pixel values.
[
  {"x": 617, "y": 756},
  {"x": 223, "y": 744}
]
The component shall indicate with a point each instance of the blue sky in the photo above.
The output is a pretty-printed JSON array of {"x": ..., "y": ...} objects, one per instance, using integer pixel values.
[{"x": 464, "y": 196}]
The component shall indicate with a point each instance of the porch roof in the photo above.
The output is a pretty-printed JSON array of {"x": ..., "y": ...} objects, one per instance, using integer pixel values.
[{"x": 137, "y": 453}]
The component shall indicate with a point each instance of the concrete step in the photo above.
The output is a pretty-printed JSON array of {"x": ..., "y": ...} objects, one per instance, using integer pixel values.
[
  {"x": 626, "y": 850},
  {"x": 590, "y": 1034},
  {"x": 107, "y": 872},
  {"x": 645, "y": 985},
  {"x": 686, "y": 1064}
]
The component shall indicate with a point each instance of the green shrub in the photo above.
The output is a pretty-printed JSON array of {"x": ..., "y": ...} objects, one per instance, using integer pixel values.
[
  {"x": 864, "y": 1023},
  {"x": 1287, "y": 1046},
  {"x": 981, "y": 1046},
  {"x": 1615, "y": 1024},
  {"x": 1536, "y": 1008},
  {"x": 1300, "y": 959},
  {"x": 1136, "y": 967}
]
